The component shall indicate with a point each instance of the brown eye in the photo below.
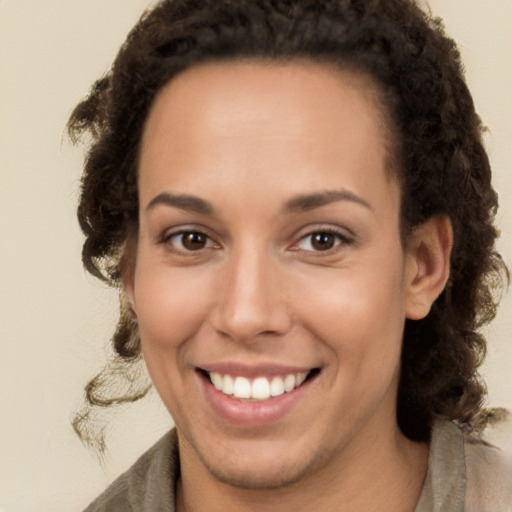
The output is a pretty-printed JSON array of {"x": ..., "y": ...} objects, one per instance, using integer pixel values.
[
  {"x": 194, "y": 241},
  {"x": 188, "y": 241},
  {"x": 323, "y": 241},
  {"x": 319, "y": 241}
]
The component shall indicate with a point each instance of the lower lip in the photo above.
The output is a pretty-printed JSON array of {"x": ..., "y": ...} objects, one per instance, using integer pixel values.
[{"x": 252, "y": 413}]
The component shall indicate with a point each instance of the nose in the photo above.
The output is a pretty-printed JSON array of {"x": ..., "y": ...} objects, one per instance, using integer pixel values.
[{"x": 252, "y": 301}]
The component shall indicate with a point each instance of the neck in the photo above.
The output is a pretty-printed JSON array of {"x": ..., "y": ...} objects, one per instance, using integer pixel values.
[{"x": 383, "y": 474}]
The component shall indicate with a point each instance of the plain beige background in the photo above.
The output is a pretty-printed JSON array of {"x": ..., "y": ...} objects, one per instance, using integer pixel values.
[{"x": 55, "y": 322}]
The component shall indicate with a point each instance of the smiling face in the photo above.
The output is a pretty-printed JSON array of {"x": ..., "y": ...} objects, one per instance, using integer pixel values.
[{"x": 269, "y": 266}]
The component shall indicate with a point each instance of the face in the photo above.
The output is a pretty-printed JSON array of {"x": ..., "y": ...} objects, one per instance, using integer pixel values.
[{"x": 270, "y": 283}]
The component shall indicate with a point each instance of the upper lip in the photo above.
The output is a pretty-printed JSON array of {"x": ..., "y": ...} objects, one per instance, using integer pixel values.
[{"x": 245, "y": 370}]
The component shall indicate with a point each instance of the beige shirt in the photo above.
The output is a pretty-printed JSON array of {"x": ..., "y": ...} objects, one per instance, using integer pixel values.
[{"x": 463, "y": 476}]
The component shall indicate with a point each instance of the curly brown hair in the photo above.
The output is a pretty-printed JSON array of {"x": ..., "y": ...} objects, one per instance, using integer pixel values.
[{"x": 440, "y": 162}]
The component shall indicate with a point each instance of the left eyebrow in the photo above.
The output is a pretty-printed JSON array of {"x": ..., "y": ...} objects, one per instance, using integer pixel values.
[{"x": 305, "y": 202}]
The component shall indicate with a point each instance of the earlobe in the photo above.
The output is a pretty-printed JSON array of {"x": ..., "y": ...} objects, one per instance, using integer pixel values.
[{"x": 428, "y": 265}]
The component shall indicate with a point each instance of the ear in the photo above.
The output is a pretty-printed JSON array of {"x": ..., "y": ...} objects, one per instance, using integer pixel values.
[
  {"x": 129, "y": 292},
  {"x": 127, "y": 265},
  {"x": 427, "y": 265}
]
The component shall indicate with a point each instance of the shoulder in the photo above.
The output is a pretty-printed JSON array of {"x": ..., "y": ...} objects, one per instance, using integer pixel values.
[
  {"x": 488, "y": 477},
  {"x": 147, "y": 485},
  {"x": 465, "y": 474}
]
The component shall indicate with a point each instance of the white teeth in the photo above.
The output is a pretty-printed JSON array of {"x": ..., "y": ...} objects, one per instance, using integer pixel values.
[
  {"x": 216, "y": 380},
  {"x": 276, "y": 386},
  {"x": 289, "y": 383},
  {"x": 260, "y": 388},
  {"x": 228, "y": 385},
  {"x": 242, "y": 388}
]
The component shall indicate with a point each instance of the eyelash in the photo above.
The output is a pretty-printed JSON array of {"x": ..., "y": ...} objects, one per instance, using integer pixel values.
[
  {"x": 167, "y": 237},
  {"x": 341, "y": 239}
]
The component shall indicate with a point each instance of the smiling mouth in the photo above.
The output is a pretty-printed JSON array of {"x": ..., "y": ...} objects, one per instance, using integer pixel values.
[{"x": 259, "y": 389}]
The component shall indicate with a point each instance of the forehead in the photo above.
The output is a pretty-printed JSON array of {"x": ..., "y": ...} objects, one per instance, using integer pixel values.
[
  {"x": 264, "y": 119},
  {"x": 278, "y": 85}
]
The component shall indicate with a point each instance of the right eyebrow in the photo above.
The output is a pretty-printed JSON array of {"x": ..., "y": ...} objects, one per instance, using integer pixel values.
[{"x": 183, "y": 202}]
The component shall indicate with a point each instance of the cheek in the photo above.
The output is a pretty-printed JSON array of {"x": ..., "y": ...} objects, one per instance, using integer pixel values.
[
  {"x": 360, "y": 315},
  {"x": 170, "y": 305}
]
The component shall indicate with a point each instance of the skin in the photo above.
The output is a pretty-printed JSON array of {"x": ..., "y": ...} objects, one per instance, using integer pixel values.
[{"x": 251, "y": 139}]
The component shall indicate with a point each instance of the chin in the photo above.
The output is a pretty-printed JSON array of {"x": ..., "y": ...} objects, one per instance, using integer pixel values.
[
  {"x": 261, "y": 467},
  {"x": 257, "y": 477}
]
